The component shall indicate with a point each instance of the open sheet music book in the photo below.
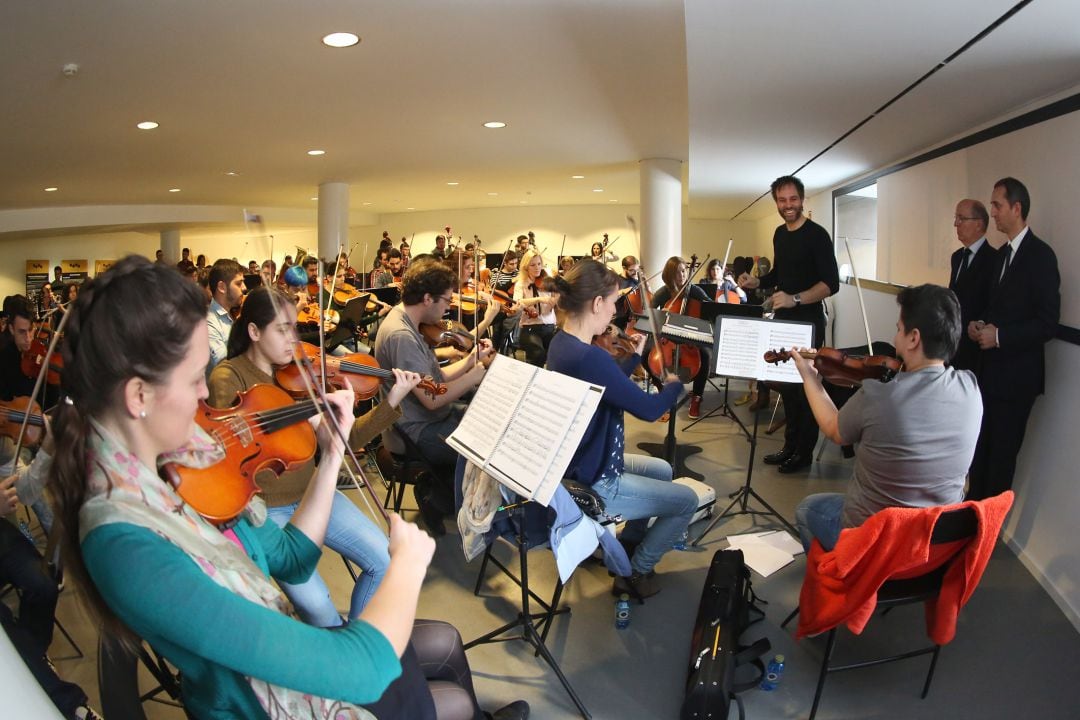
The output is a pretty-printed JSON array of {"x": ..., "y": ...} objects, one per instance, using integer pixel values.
[
  {"x": 524, "y": 425},
  {"x": 741, "y": 344}
]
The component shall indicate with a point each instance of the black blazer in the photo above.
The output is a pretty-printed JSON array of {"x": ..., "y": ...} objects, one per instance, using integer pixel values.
[
  {"x": 1025, "y": 306},
  {"x": 973, "y": 291}
]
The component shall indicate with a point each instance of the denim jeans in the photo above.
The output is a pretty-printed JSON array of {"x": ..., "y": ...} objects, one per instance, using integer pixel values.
[
  {"x": 645, "y": 490},
  {"x": 354, "y": 536},
  {"x": 818, "y": 516}
]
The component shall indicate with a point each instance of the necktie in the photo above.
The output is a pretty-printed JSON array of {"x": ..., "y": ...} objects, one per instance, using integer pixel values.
[
  {"x": 964, "y": 264},
  {"x": 1005, "y": 265}
]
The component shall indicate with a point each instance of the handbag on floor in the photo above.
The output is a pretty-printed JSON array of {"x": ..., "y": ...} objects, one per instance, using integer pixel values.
[{"x": 727, "y": 608}]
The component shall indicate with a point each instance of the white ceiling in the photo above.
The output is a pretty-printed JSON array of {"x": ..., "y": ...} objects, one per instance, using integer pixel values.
[{"x": 742, "y": 91}]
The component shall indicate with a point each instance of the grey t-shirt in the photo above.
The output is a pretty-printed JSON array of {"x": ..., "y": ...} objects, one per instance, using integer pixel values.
[
  {"x": 916, "y": 436},
  {"x": 400, "y": 345}
]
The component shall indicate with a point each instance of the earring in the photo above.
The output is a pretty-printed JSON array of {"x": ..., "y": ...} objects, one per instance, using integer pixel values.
[{"x": 142, "y": 414}]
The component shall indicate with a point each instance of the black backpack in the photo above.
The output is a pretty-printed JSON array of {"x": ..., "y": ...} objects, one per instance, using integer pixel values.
[{"x": 728, "y": 607}]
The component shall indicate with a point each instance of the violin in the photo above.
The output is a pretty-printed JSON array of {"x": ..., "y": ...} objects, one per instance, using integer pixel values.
[
  {"x": 30, "y": 362},
  {"x": 447, "y": 333},
  {"x": 263, "y": 430},
  {"x": 360, "y": 369},
  {"x": 345, "y": 293},
  {"x": 616, "y": 342},
  {"x": 310, "y": 315},
  {"x": 504, "y": 298},
  {"x": 12, "y": 414},
  {"x": 841, "y": 368}
]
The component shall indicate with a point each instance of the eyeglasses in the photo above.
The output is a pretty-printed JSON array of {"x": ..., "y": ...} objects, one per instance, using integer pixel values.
[
  {"x": 961, "y": 218},
  {"x": 446, "y": 299}
]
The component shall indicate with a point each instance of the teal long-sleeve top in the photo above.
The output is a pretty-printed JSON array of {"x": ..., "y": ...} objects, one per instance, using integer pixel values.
[{"x": 217, "y": 638}]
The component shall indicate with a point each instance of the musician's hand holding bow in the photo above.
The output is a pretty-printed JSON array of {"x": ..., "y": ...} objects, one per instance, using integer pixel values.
[
  {"x": 340, "y": 402},
  {"x": 639, "y": 342}
]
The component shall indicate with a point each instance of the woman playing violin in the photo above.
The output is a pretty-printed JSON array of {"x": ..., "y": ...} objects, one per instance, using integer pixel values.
[
  {"x": 671, "y": 297},
  {"x": 151, "y": 567},
  {"x": 634, "y": 486},
  {"x": 537, "y": 308},
  {"x": 264, "y": 338}
]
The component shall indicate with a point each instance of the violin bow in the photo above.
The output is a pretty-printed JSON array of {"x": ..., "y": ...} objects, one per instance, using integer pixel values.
[
  {"x": 862, "y": 305},
  {"x": 654, "y": 316},
  {"x": 727, "y": 255}
]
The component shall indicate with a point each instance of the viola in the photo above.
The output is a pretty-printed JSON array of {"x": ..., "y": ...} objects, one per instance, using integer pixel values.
[
  {"x": 841, "y": 368},
  {"x": 31, "y": 360},
  {"x": 447, "y": 333},
  {"x": 12, "y": 414},
  {"x": 263, "y": 430},
  {"x": 616, "y": 342},
  {"x": 360, "y": 369},
  {"x": 310, "y": 315}
]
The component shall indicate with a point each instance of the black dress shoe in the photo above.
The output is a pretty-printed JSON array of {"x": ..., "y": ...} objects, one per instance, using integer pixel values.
[
  {"x": 780, "y": 457},
  {"x": 517, "y": 710},
  {"x": 796, "y": 462}
]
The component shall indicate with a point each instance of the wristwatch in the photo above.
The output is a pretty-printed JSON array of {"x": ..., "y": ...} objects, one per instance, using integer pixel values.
[{"x": 797, "y": 299}]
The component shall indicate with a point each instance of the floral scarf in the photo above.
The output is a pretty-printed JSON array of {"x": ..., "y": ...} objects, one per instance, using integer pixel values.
[{"x": 122, "y": 489}]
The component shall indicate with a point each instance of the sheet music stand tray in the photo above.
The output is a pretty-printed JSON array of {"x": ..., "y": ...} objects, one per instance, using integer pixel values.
[{"x": 534, "y": 626}]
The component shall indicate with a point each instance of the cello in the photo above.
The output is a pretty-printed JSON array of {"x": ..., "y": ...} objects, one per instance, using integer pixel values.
[{"x": 666, "y": 354}]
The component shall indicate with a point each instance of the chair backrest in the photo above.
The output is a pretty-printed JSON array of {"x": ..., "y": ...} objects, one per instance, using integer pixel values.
[
  {"x": 118, "y": 682},
  {"x": 954, "y": 525},
  {"x": 393, "y": 440}
]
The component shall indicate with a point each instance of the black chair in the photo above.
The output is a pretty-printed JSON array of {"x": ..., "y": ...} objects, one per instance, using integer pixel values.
[
  {"x": 118, "y": 681},
  {"x": 406, "y": 464},
  {"x": 956, "y": 528},
  {"x": 79, "y": 654}
]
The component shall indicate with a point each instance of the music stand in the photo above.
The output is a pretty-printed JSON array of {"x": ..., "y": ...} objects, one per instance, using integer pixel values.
[
  {"x": 669, "y": 449},
  {"x": 762, "y": 335},
  {"x": 389, "y": 295},
  {"x": 709, "y": 312}
]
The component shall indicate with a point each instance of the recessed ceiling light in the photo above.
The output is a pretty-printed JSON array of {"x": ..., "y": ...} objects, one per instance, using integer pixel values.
[
  {"x": 174, "y": 189},
  {"x": 598, "y": 189},
  {"x": 232, "y": 173},
  {"x": 453, "y": 184},
  {"x": 147, "y": 125},
  {"x": 494, "y": 124},
  {"x": 51, "y": 189},
  {"x": 613, "y": 201},
  {"x": 316, "y": 152},
  {"x": 315, "y": 198},
  {"x": 367, "y": 203},
  {"x": 523, "y": 202},
  {"x": 577, "y": 177},
  {"x": 340, "y": 40},
  {"x": 492, "y": 194},
  {"x": 410, "y": 208}
]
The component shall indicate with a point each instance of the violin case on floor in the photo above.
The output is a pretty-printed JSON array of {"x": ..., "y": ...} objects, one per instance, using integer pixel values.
[{"x": 727, "y": 608}]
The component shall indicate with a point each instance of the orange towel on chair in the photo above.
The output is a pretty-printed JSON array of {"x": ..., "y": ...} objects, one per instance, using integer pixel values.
[{"x": 841, "y": 585}]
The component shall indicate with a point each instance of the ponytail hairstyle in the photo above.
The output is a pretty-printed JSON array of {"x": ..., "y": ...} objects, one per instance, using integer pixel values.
[
  {"x": 583, "y": 283},
  {"x": 259, "y": 309},
  {"x": 133, "y": 320}
]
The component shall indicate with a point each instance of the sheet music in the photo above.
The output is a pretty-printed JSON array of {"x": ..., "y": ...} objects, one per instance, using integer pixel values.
[
  {"x": 524, "y": 425},
  {"x": 742, "y": 343},
  {"x": 492, "y": 407}
]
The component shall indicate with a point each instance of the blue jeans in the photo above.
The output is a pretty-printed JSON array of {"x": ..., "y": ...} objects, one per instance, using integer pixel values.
[
  {"x": 818, "y": 516},
  {"x": 354, "y": 536},
  {"x": 645, "y": 490}
]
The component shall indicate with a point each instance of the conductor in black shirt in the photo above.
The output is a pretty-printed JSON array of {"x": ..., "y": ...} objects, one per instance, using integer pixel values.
[{"x": 804, "y": 273}]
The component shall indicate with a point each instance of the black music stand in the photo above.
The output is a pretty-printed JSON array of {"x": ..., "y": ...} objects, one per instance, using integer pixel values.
[
  {"x": 670, "y": 449},
  {"x": 709, "y": 312},
  {"x": 741, "y": 497},
  {"x": 526, "y": 619}
]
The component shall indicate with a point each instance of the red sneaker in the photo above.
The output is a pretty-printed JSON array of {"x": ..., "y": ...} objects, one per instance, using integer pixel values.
[{"x": 695, "y": 407}]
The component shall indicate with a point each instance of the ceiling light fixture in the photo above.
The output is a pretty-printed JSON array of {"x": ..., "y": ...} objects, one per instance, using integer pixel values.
[
  {"x": 313, "y": 153},
  {"x": 613, "y": 201},
  {"x": 598, "y": 189},
  {"x": 174, "y": 189},
  {"x": 577, "y": 177},
  {"x": 315, "y": 198},
  {"x": 410, "y": 208},
  {"x": 340, "y": 40},
  {"x": 147, "y": 125},
  {"x": 453, "y": 184},
  {"x": 367, "y": 203},
  {"x": 494, "y": 124},
  {"x": 492, "y": 194},
  {"x": 232, "y": 173},
  {"x": 51, "y": 189}
]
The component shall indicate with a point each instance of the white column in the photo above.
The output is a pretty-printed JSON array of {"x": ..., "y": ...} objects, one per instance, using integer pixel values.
[
  {"x": 333, "y": 219},
  {"x": 661, "y": 211},
  {"x": 170, "y": 246}
]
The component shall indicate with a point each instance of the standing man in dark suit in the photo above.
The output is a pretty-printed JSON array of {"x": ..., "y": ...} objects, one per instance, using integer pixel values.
[
  {"x": 971, "y": 274},
  {"x": 804, "y": 274},
  {"x": 1021, "y": 316}
]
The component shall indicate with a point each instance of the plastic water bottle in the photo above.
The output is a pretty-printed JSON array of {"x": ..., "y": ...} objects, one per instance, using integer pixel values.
[
  {"x": 772, "y": 673},
  {"x": 622, "y": 612}
]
